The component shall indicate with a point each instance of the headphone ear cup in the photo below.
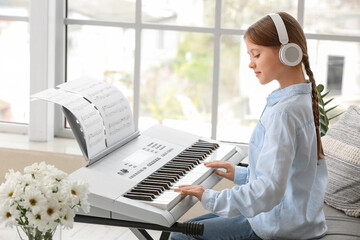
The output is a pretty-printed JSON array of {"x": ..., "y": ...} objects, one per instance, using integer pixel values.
[{"x": 290, "y": 54}]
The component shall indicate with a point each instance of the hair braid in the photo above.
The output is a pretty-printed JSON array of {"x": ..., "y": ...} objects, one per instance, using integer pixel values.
[{"x": 315, "y": 105}]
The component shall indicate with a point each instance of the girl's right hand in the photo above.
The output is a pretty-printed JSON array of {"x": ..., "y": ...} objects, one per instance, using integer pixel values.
[{"x": 227, "y": 165}]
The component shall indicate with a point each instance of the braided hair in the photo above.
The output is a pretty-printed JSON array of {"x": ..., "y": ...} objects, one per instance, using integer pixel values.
[{"x": 264, "y": 33}]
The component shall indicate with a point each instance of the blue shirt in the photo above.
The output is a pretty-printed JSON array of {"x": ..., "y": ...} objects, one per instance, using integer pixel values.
[{"x": 282, "y": 191}]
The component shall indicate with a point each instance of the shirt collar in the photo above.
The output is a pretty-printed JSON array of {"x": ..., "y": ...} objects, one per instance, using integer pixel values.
[{"x": 292, "y": 90}]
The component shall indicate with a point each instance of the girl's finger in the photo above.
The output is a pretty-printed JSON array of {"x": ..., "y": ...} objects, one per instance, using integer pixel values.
[{"x": 215, "y": 164}]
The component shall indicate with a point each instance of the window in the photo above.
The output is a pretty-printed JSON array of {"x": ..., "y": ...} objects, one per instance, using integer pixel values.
[
  {"x": 335, "y": 73},
  {"x": 14, "y": 62},
  {"x": 184, "y": 63},
  {"x": 333, "y": 17}
]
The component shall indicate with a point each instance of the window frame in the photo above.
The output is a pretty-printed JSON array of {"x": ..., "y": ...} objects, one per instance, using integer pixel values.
[
  {"x": 46, "y": 120},
  {"x": 9, "y": 127}
]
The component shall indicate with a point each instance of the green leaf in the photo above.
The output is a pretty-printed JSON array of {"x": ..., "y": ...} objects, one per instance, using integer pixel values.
[
  {"x": 328, "y": 101},
  {"x": 335, "y": 116},
  {"x": 322, "y": 125},
  {"x": 322, "y": 121},
  {"x": 322, "y": 132},
  {"x": 322, "y": 116},
  {"x": 325, "y": 94},
  {"x": 320, "y": 88},
  {"x": 331, "y": 109}
]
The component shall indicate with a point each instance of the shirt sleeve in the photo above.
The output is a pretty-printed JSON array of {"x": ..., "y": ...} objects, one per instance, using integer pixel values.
[
  {"x": 241, "y": 175},
  {"x": 272, "y": 169}
]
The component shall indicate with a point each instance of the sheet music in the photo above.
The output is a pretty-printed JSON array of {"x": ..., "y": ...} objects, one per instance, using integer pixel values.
[
  {"x": 112, "y": 104},
  {"x": 89, "y": 118}
]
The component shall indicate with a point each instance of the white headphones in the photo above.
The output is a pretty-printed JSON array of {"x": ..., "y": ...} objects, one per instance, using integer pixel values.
[{"x": 290, "y": 54}]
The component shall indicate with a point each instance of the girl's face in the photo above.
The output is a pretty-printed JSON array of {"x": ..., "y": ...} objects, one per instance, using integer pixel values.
[{"x": 264, "y": 61}]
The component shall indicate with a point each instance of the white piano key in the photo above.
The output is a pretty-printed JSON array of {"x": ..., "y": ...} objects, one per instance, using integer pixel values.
[
  {"x": 169, "y": 198},
  {"x": 168, "y": 201}
]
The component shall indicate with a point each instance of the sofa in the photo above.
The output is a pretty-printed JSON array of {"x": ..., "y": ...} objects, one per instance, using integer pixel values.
[
  {"x": 341, "y": 145},
  {"x": 340, "y": 226}
]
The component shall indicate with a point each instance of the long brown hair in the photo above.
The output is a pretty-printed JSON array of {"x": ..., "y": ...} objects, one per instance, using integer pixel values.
[{"x": 264, "y": 33}]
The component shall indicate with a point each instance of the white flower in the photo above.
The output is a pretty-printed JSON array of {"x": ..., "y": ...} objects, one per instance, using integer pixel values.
[
  {"x": 8, "y": 214},
  {"x": 36, "y": 219},
  {"x": 36, "y": 168},
  {"x": 42, "y": 198},
  {"x": 7, "y": 192},
  {"x": 67, "y": 217},
  {"x": 33, "y": 198},
  {"x": 79, "y": 191},
  {"x": 52, "y": 214},
  {"x": 12, "y": 176}
]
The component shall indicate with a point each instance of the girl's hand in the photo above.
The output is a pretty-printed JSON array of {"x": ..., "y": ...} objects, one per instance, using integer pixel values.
[
  {"x": 193, "y": 190},
  {"x": 229, "y": 167}
]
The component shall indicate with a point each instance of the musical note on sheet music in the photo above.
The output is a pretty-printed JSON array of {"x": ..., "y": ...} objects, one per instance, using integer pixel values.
[
  {"x": 110, "y": 102},
  {"x": 88, "y": 117}
]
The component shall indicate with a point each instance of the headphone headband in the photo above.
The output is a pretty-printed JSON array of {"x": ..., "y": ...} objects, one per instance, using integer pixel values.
[
  {"x": 290, "y": 54},
  {"x": 280, "y": 28}
]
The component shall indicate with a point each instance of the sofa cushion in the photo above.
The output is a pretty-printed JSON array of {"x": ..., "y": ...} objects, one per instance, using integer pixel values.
[
  {"x": 342, "y": 150},
  {"x": 340, "y": 226}
]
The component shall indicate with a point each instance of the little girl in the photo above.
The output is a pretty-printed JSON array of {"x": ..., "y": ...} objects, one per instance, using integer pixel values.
[{"x": 280, "y": 195}]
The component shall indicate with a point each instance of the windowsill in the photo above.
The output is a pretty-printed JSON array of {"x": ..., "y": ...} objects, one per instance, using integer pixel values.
[
  {"x": 22, "y": 142},
  {"x": 57, "y": 145}
]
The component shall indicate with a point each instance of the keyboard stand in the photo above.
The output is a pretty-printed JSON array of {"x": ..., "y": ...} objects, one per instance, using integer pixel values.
[{"x": 139, "y": 228}]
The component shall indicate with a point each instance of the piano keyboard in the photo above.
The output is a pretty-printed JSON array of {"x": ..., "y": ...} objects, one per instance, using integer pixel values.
[
  {"x": 185, "y": 169},
  {"x": 136, "y": 181}
]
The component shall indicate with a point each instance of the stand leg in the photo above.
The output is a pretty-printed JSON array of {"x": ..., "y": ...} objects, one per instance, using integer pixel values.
[
  {"x": 141, "y": 234},
  {"x": 165, "y": 236},
  {"x": 188, "y": 228}
]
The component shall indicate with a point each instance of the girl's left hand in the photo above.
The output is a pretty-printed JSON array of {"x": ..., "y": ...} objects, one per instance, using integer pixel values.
[{"x": 193, "y": 190}]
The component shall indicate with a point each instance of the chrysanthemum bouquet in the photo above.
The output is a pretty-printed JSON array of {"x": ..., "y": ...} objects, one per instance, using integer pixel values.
[{"x": 41, "y": 199}]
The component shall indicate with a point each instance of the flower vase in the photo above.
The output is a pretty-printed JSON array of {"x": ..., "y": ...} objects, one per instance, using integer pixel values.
[{"x": 32, "y": 233}]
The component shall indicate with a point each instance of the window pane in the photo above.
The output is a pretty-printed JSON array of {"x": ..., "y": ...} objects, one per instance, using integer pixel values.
[
  {"x": 14, "y": 72},
  {"x": 176, "y": 81},
  {"x": 241, "y": 96},
  {"x": 336, "y": 65},
  {"x": 336, "y": 17},
  {"x": 14, "y": 8},
  {"x": 241, "y": 14},
  {"x": 200, "y": 13},
  {"x": 111, "y": 10},
  {"x": 102, "y": 53}
]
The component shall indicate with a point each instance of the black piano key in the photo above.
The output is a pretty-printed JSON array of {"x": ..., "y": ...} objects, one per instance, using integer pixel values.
[
  {"x": 145, "y": 185},
  {"x": 160, "y": 180},
  {"x": 193, "y": 156},
  {"x": 142, "y": 188},
  {"x": 156, "y": 183},
  {"x": 152, "y": 195},
  {"x": 192, "y": 153},
  {"x": 187, "y": 163},
  {"x": 180, "y": 162},
  {"x": 137, "y": 190},
  {"x": 174, "y": 170},
  {"x": 168, "y": 175},
  {"x": 207, "y": 145},
  {"x": 200, "y": 150},
  {"x": 172, "y": 180},
  {"x": 171, "y": 171},
  {"x": 184, "y": 159},
  {"x": 187, "y": 168},
  {"x": 138, "y": 197}
]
